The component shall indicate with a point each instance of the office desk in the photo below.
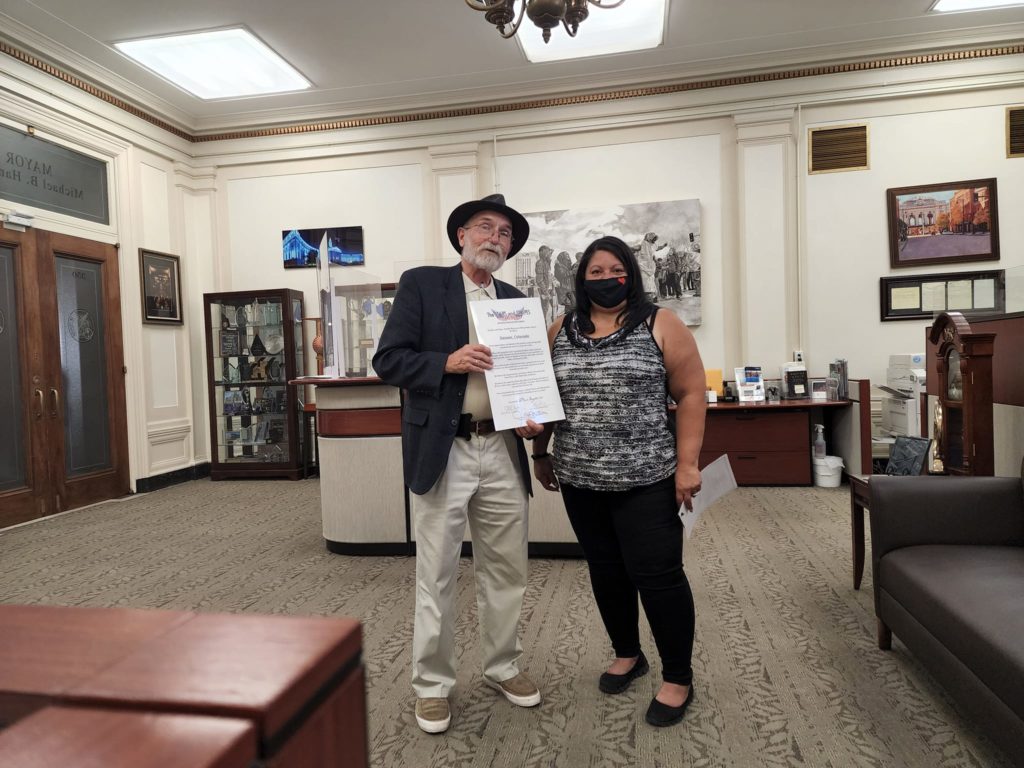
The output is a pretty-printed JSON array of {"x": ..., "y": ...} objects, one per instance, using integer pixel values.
[{"x": 767, "y": 443}]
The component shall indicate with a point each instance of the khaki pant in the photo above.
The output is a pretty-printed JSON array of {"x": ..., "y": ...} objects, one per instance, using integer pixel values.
[{"x": 481, "y": 485}]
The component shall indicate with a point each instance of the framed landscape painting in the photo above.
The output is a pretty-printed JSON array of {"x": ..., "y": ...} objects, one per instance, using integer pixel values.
[{"x": 943, "y": 223}]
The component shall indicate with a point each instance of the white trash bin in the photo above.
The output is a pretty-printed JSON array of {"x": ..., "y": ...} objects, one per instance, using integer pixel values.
[{"x": 828, "y": 471}]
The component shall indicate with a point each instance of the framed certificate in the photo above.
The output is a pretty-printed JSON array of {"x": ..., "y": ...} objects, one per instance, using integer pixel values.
[{"x": 229, "y": 343}]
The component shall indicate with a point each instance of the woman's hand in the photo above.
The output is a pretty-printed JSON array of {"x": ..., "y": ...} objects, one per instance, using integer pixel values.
[
  {"x": 687, "y": 484},
  {"x": 531, "y": 430},
  {"x": 545, "y": 473}
]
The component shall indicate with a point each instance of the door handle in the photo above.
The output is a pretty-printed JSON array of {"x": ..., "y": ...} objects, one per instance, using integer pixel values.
[
  {"x": 38, "y": 394},
  {"x": 56, "y": 402}
]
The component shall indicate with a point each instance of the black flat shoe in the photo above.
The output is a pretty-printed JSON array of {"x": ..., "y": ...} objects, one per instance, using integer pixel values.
[
  {"x": 610, "y": 683},
  {"x": 662, "y": 715}
]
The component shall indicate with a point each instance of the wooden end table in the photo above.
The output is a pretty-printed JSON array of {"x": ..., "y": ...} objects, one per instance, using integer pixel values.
[{"x": 860, "y": 498}]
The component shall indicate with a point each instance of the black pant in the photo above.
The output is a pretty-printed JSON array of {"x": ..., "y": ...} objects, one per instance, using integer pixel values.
[{"x": 633, "y": 542}]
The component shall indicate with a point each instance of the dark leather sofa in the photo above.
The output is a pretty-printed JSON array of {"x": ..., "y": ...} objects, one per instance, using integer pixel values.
[{"x": 948, "y": 571}]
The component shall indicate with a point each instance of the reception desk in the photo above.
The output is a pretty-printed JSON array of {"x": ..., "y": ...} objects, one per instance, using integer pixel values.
[{"x": 364, "y": 501}]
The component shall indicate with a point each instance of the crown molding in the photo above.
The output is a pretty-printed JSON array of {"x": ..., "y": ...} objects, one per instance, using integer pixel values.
[{"x": 622, "y": 87}]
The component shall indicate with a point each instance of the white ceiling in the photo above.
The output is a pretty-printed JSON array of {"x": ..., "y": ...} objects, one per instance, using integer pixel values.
[{"x": 383, "y": 56}]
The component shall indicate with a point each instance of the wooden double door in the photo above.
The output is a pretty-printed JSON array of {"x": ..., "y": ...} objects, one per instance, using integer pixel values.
[{"x": 63, "y": 427}]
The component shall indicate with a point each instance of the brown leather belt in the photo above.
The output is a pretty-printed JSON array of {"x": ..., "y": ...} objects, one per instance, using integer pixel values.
[{"x": 468, "y": 427}]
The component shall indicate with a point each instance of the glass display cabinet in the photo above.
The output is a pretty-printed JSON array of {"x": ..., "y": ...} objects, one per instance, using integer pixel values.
[
  {"x": 355, "y": 319},
  {"x": 254, "y": 347}
]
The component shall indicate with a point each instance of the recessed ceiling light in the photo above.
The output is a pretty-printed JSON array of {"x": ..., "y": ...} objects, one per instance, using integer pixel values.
[
  {"x": 950, "y": 6},
  {"x": 634, "y": 26},
  {"x": 218, "y": 64}
]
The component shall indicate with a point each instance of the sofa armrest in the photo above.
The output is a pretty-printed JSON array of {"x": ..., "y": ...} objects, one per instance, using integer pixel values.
[{"x": 906, "y": 511}]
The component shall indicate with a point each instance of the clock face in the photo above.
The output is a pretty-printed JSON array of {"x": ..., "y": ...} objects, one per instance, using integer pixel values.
[{"x": 954, "y": 379}]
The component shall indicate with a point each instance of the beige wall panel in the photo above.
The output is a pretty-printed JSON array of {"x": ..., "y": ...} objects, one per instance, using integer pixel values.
[
  {"x": 363, "y": 500},
  {"x": 1008, "y": 439}
]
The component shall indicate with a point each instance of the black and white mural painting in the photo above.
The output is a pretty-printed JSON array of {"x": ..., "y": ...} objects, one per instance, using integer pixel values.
[{"x": 664, "y": 236}]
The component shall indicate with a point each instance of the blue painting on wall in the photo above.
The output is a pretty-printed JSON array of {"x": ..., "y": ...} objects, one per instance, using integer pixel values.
[{"x": 301, "y": 247}]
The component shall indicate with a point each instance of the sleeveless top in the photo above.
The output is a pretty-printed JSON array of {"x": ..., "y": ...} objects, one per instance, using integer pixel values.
[{"x": 616, "y": 434}]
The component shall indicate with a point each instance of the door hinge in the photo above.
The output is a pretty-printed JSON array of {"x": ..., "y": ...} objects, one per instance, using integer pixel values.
[{"x": 124, "y": 369}]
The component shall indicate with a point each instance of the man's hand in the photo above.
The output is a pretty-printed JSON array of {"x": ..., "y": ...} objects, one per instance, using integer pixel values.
[{"x": 472, "y": 358}]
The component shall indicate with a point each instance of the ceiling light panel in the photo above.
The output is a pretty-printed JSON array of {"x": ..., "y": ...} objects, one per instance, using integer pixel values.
[
  {"x": 219, "y": 64},
  {"x": 633, "y": 26}
]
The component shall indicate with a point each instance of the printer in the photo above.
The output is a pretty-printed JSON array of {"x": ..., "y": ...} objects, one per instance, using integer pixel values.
[{"x": 901, "y": 405}]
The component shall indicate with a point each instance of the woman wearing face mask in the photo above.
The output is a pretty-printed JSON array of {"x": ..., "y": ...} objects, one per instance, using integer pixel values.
[{"x": 621, "y": 472}]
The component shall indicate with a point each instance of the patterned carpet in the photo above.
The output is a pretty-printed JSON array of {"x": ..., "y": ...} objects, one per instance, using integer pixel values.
[{"x": 786, "y": 668}]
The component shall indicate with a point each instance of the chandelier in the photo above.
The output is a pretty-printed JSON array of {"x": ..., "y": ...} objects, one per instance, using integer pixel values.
[{"x": 546, "y": 14}]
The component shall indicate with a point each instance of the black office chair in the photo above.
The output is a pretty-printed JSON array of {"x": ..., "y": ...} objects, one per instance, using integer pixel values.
[{"x": 908, "y": 456}]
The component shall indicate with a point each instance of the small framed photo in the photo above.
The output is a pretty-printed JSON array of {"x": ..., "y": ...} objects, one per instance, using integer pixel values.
[
  {"x": 946, "y": 223},
  {"x": 819, "y": 389},
  {"x": 161, "y": 288}
]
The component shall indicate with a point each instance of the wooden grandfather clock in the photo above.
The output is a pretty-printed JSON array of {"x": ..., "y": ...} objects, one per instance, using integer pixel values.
[{"x": 963, "y": 420}]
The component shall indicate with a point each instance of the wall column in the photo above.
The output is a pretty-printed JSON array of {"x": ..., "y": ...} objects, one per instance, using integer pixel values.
[
  {"x": 454, "y": 169},
  {"x": 769, "y": 277}
]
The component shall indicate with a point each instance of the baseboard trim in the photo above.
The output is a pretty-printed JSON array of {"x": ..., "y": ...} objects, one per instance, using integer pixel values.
[
  {"x": 546, "y": 549},
  {"x": 156, "y": 482}
]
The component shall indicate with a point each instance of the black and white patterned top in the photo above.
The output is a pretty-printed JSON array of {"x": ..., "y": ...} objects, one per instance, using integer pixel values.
[{"x": 616, "y": 434}]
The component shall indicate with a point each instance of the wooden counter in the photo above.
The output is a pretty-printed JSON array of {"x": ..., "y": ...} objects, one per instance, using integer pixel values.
[
  {"x": 91, "y": 738},
  {"x": 297, "y": 680},
  {"x": 364, "y": 501}
]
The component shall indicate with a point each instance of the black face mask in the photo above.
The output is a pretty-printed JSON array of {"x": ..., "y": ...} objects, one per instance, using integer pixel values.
[{"x": 608, "y": 292}]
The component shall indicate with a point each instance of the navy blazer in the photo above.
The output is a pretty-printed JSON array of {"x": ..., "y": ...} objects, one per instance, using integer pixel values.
[{"x": 429, "y": 321}]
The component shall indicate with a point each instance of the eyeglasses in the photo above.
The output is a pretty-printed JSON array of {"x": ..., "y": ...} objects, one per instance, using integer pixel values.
[{"x": 487, "y": 229}]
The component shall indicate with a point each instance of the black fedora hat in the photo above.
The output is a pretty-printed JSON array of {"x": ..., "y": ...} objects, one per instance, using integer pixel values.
[{"x": 466, "y": 211}]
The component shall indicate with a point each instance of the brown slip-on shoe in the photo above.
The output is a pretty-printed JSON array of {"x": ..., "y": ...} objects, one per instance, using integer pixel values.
[
  {"x": 520, "y": 690},
  {"x": 433, "y": 715}
]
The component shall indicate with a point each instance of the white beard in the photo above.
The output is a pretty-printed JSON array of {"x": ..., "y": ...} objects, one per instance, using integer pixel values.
[{"x": 484, "y": 259}]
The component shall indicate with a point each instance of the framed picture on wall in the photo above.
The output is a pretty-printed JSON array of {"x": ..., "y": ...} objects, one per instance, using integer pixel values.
[
  {"x": 922, "y": 297},
  {"x": 943, "y": 223},
  {"x": 161, "y": 288},
  {"x": 665, "y": 237}
]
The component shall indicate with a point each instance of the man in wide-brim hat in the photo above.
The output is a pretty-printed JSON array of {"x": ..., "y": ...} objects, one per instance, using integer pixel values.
[{"x": 459, "y": 469}]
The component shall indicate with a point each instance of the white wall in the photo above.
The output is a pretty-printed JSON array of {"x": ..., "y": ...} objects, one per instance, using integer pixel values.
[
  {"x": 799, "y": 270},
  {"x": 628, "y": 173},
  {"x": 387, "y": 201},
  {"x": 843, "y": 215}
]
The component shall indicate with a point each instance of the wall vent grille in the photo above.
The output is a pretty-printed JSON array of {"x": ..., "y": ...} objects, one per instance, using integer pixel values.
[
  {"x": 838, "y": 148},
  {"x": 1015, "y": 131}
]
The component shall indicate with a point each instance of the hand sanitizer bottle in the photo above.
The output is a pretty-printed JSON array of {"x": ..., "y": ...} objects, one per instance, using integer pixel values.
[{"x": 819, "y": 441}]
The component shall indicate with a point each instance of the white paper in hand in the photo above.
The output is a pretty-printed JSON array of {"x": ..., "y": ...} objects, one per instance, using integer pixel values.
[{"x": 716, "y": 480}]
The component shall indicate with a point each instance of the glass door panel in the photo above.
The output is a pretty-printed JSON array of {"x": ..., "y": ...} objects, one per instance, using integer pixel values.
[
  {"x": 12, "y": 446},
  {"x": 83, "y": 356}
]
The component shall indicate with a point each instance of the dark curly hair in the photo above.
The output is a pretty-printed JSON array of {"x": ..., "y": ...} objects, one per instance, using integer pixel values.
[{"x": 638, "y": 306}]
